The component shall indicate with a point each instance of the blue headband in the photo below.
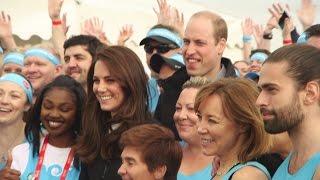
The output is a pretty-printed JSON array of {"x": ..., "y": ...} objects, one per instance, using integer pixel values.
[
  {"x": 16, "y": 58},
  {"x": 20, "y": 81},
  {"x": 177, "y": 57},
  {"x": 259, "y": 56},
  {"x": 37, "y": 52},
  {"x": 165, "y": 33},
  {"x": 303, "y": 38}
]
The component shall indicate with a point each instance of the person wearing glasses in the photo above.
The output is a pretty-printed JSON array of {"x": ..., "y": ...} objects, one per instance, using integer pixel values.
[{"x": 165, "y": 41}]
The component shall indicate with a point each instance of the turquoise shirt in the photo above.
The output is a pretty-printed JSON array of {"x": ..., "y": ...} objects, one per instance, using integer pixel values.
[
  {"x": 306, "y": 172},
  {"x": 204, "y": 174},
  {"x": 234, "y": 169},
  {"x": 153, "y": 95}
]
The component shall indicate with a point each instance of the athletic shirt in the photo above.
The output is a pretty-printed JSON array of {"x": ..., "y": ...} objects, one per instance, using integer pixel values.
[
  {"x": 199, "y": 175},
  {"x": 53, "y": 163},
  {"x": 306, "y": 172},
  {"x": 237, "y": 167}
]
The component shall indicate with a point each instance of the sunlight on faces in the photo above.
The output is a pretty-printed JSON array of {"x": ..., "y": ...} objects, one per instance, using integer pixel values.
[
  {"x": 11, "y": 68},
  {"x": 58, "y": 111},
  {"x": 279, "y": 100},
  {"x": 77, "y": 63},
  {"x": 13, "y": 102},
  {"x": 201, "y": 51},
  {"x": 39, "y": 72},
  {"x": 219, "y": 135},
  {"x": 133, "y": 167},
  {"x": 185, "y": 117},
  {"x": 106, "y": 88}
]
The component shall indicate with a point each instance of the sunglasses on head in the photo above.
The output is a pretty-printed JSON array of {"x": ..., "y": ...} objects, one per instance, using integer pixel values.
[{"x": 161, "y": 48}]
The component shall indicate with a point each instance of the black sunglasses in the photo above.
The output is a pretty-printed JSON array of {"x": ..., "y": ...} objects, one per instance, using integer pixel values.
[{"x": 161, "y": 48}]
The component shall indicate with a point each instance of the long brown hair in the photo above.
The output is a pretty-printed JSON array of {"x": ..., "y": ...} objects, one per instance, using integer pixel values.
[
  {"x": 97, "y": 136},
  {"x": 238, "y": 98}
]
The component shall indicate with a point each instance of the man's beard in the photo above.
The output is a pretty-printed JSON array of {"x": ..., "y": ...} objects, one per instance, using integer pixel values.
[{"x": 285, "y": 118}]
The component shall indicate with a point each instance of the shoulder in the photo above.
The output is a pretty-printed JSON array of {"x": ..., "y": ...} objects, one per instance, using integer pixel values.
[
  {"x": 317, "y": 174},
  {"x": 249, "y": 172},
  {"x": 21, "y": 149}
]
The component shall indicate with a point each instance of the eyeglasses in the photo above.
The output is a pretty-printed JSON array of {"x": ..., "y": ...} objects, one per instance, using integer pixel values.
[{"x": 161, "y": 48}]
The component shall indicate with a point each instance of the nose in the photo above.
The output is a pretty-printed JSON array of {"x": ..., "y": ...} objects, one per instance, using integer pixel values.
[
  {"x": 188, "y": 50},
  {"x": 32, "y": 68},
  {"x": 102, "y": 87},
  {"x": 54, "y": 113},
  {"x": 201, "y": 127},
  {"x": 72, "y": 63},
  {"x": 122, "y": 170},
  {"x": 4, "y": 99},
  {"x": 182, "y": 115},
  {"x": 261, "y": 100}
]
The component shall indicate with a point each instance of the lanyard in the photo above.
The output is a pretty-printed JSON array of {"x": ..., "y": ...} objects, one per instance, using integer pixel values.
[{"x": 41, "y": 158}]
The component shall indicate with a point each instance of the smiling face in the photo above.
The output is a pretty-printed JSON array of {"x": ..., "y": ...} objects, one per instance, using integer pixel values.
[
  {"x": 201, "y": 51},
  {"x": 39, "y": 72},
  {"x": 107, "y": 88},
  {"x": 133, "y": 167},
  {"x": 13, "y": 102},
  {"x": 219, "y": 135},
  {"x": 279, "y": 101},
  {"x": 78, "y": 61},
  {"x": 185, "y": 117},
  {"x": 58, "y": 112}
]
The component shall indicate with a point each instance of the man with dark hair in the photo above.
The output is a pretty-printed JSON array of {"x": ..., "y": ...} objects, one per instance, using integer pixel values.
[
  {"x": 79, "y": 52},
  {"x": 151, "y": 152},
  {"x": 289, "y": 101},
  {"x": 311, "y": 36}
]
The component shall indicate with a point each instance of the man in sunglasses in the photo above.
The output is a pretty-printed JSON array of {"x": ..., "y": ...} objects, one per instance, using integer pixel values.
[
  {"x": 164, "y": 41},
  {"x": 204, "y": 42}
]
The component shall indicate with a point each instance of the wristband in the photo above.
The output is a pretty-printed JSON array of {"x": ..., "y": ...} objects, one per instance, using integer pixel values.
[
  {"x": 246, "y": 38},
  {"x": 287, "y": 41},
  {"x": 56, "y": 22},
  {"x": 267, "y": 36}
]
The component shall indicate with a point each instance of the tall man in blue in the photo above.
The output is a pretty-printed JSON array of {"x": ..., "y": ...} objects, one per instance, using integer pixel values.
[{"x": 290, "y": 101}]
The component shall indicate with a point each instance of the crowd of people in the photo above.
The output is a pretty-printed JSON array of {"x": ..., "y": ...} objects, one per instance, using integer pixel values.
[{"x": 83, "y": 108}]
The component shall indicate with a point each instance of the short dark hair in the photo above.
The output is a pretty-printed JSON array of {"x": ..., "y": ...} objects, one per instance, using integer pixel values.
[
  {"x": 157, "y": 145},
  {"x": 313, "y": 31},
  {"x": 303, "y": 62},
  {"x": 90, "y": 42}
]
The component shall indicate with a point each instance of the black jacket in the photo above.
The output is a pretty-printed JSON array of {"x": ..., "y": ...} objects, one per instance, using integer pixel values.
[
  {"x": 171, "y": 91},
  {"x": 101, "y": 169}
]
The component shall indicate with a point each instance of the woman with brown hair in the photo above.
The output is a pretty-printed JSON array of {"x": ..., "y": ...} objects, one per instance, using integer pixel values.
[
  {"x": 117, "y": 101},
  {"x": 231, "y": 128}
]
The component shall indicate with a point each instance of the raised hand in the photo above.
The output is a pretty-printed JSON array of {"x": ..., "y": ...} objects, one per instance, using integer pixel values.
[
  {"x": 287, "y": 28},
  {"x": 177, "y": 20},
  {"x": 307, "y": 13},
  {"x": 247, "y": 27},
  {"x": 54, "y": 8},
  {"x": 258, "y": 34},
  {"x": 125, "y": 33},
  {"x": 94, "y": 27},
  {"x": 5, "y": 25},
  {"x": 7, "y": 172},
  {"x": 164, "y": 12}
]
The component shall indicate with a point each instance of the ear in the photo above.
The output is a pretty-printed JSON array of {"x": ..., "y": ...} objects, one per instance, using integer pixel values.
[
  {"x": 58, "y": 70},
  {"x": 221, "y": 45},
  {"x": 159, "y": 172},
  {"x": 27, "y": 106},
  {"x": 312, "y": 93}
]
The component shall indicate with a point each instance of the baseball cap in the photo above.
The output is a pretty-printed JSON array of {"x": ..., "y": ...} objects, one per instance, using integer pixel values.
[{"x": 162, "y": 35}]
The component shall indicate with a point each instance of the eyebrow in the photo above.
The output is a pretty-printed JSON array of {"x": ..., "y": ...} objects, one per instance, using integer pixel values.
[
  {"x": 129, "y": 159},
  {"x": 266, "y": 85}
]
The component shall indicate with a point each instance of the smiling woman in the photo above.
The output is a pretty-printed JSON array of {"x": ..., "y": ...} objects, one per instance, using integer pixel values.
[
  {"x": 49, "y": 156},
  {"x": 117, "y": 101},
  {"x": 15, "y": 99}
]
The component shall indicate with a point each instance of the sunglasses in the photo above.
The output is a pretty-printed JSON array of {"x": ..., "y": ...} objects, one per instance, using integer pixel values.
[{"x": 161, "y": 48}]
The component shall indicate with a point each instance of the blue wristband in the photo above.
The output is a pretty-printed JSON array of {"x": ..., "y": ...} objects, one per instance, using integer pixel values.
[{"x": 246, "y": 38}]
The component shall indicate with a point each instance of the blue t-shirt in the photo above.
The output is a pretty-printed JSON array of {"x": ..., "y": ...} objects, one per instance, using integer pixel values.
[
  {"x": 204, "y": 174},
  {"x": 234, "y": 169},
  {"x": 153, "y": 95},
  {"x": 306, "y": 172}
]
